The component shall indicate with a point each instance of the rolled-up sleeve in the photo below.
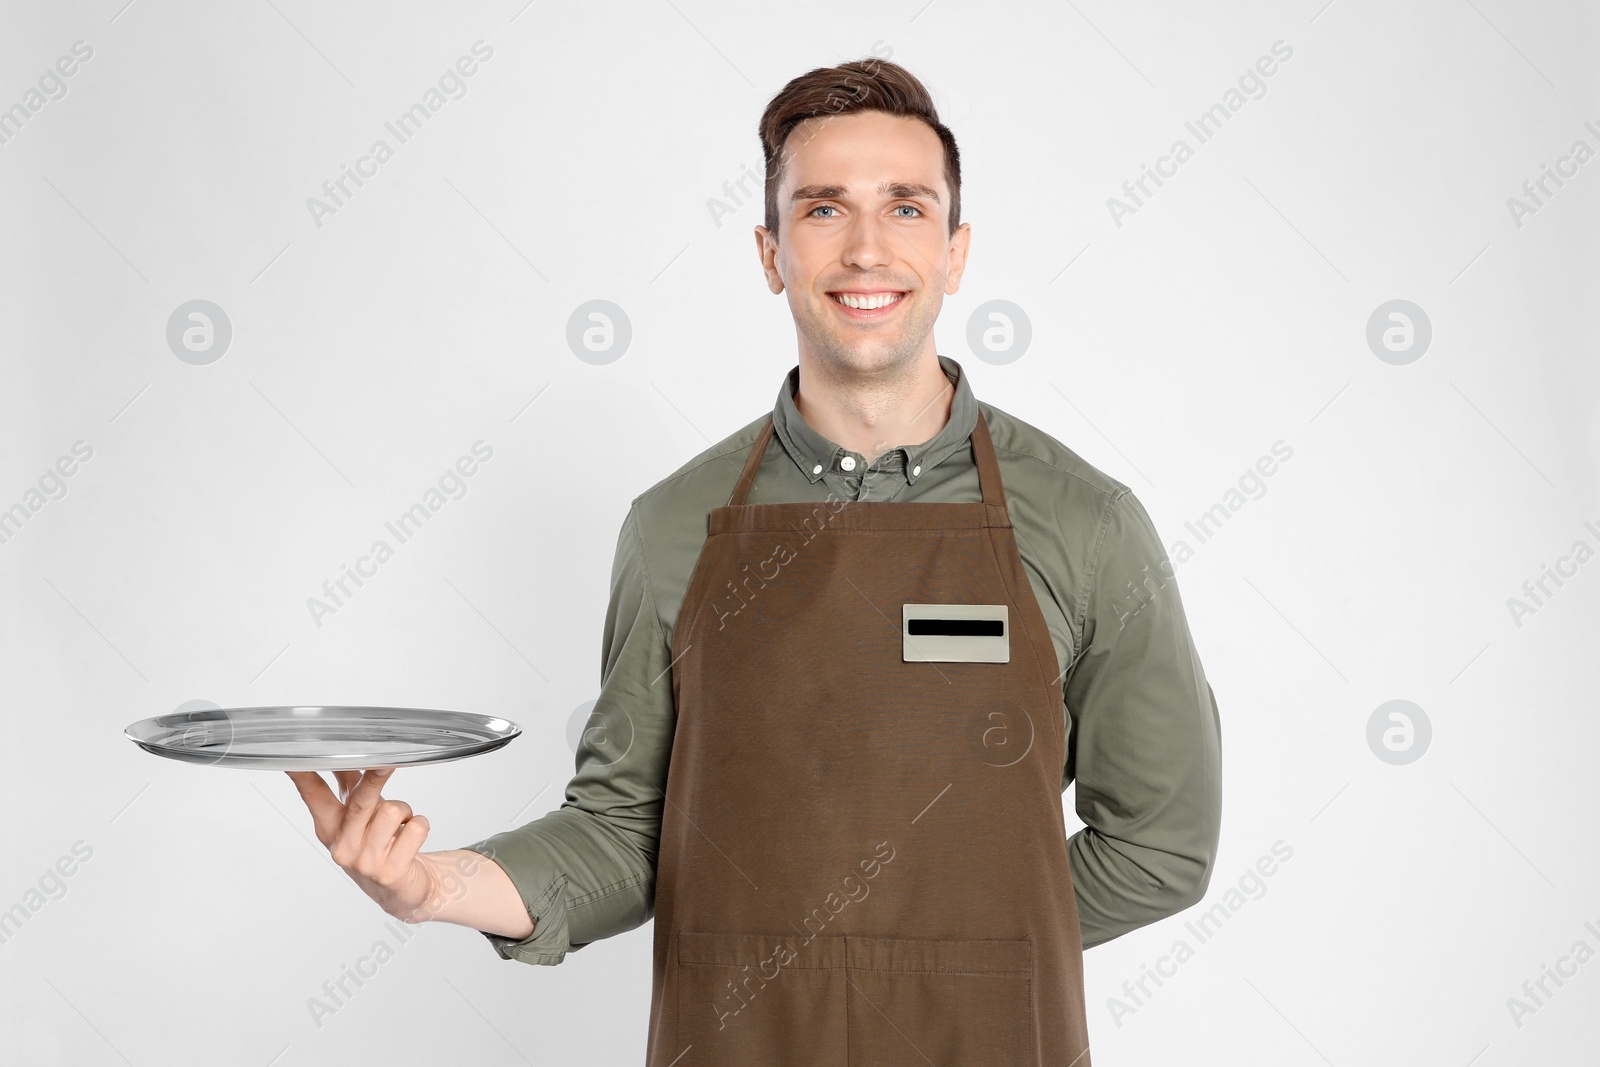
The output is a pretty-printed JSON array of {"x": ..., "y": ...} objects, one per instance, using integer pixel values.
[
  {"x": 1145, "y": 744},
  {"x": 586, "y": 870}
]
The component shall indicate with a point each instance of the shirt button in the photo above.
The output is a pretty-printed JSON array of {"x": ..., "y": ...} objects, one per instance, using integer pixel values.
[
  {"x": 848, "y": 463},
  {"x": 916, "y": 470},
  {"x": 817, "y": 469}
]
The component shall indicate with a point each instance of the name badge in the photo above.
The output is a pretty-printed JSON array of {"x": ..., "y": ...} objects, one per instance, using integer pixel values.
[{"x": 955, "y": 633}]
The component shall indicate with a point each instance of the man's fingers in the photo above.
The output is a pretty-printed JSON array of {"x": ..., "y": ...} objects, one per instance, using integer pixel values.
[
  {"x": 345, "y": 815},
  {"x": 407, "y": 843},
  {"x": 366, "y": 795},
  {"x": 326, "y": 811},
  {"x": 364, "y": 799},
  {"x": 387, "y": 821},
  {"x": 375, "y": 841}
]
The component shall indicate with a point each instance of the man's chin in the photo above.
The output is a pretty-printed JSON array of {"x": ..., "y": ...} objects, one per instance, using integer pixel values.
[{"x": 863, "y": 357}]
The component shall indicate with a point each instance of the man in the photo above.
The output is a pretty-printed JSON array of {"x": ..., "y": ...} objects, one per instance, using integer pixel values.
[{"x": 855, "y": 653}]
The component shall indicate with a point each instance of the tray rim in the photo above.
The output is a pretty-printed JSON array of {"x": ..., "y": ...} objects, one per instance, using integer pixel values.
[{"x": 140, "y": 733}]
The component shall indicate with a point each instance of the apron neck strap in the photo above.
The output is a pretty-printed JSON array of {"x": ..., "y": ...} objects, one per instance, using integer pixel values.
[
  {"x": 747, "y": 477},
  {"x": 994, "y": 493}
]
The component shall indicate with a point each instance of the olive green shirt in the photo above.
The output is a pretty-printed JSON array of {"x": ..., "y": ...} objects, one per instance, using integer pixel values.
[{"x": 1143, "y": 733}]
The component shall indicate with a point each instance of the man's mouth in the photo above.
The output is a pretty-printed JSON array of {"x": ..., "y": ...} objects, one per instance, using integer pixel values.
[{"x": 867, "y": 305}]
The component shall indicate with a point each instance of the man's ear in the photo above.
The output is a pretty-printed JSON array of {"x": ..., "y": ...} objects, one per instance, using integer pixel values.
[
  {"x": 960, "y": 243},
  {"x": 767, "y": 250}
]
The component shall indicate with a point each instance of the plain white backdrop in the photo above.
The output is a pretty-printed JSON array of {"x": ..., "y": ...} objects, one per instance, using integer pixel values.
[{"x": 595, "y": 153}]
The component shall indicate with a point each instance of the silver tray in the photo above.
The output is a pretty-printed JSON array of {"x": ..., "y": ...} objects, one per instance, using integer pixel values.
[{"x": 317, "y": 738}]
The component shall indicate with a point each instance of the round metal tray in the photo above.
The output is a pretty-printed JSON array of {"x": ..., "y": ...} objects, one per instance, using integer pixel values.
[{"x": 320, "y": 738}]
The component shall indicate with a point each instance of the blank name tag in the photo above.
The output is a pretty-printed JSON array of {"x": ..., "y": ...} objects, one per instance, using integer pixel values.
[{"x": 955, "y": 633}]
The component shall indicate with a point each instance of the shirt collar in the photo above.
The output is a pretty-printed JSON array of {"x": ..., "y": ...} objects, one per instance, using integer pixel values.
[{"x": 815, "y": 455}]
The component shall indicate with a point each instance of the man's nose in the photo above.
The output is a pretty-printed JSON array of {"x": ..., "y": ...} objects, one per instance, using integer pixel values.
[{"x": 868, "y": 241}]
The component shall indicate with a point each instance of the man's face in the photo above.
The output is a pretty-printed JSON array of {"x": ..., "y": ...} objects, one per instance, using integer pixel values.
[{"x": 863, "y": 209}]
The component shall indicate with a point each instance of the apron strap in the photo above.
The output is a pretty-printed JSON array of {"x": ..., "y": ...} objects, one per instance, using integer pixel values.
[
  {"x": 994, "y": 493},
  {"x": 747, "y": 477}
]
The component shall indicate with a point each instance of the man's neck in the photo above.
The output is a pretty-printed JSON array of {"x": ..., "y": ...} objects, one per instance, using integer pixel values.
[{"x": 873, "y": 415}]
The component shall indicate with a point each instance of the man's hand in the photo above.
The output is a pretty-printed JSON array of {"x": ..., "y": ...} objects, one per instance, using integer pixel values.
[{"x": 374, "y": 840}]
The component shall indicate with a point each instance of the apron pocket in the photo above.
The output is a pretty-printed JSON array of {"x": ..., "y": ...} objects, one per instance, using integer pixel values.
[
  {"x": 917, "y": 1001},
  {"x": 747, "y": 999}
]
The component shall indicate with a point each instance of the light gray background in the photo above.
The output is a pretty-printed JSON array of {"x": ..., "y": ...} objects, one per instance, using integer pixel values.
[{"x": 430, "y": 311}]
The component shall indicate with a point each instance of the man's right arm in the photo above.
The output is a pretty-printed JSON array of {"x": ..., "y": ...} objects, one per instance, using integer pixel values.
[{"x": 587, "y": 869}]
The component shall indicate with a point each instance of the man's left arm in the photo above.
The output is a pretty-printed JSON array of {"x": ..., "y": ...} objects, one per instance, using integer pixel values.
[{"x": 1145, "y": 745}]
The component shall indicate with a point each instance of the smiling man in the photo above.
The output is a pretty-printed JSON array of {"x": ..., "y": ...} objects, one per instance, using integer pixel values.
[{"x": 855, "y": 653}]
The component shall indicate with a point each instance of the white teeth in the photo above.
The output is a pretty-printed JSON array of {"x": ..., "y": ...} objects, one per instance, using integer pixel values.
[{"x": 867, "y": 303}]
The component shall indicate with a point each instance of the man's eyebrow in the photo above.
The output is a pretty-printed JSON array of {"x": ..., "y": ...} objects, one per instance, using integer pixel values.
[{"x": 891, "y": 189}]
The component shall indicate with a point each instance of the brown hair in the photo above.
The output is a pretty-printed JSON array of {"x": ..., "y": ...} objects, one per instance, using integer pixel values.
[{"x": 861, "y": 85}]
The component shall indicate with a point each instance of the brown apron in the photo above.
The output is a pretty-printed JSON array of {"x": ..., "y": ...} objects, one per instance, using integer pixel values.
[{"x": 863, "y": 858}]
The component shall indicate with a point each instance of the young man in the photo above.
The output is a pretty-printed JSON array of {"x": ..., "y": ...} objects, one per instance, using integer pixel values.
[{"x": 855, "y": 653}]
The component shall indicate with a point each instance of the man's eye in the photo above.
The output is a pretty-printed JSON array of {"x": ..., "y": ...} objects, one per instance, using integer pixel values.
[
  {"x": 823, "y": 207},
  {"x": 913, "y": 207}
]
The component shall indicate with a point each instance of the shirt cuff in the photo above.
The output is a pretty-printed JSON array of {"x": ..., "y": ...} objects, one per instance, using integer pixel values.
[{"x": 547, "y": 907}]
